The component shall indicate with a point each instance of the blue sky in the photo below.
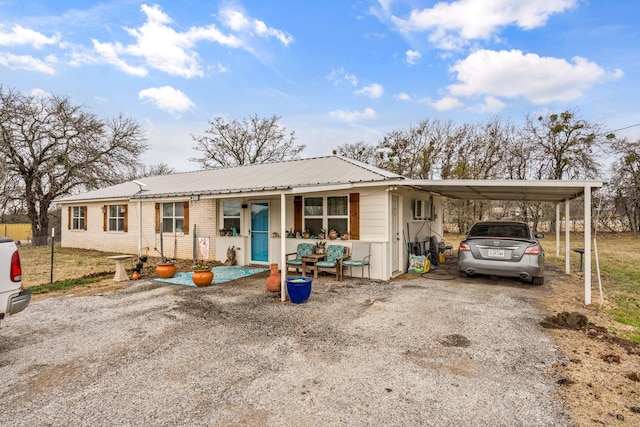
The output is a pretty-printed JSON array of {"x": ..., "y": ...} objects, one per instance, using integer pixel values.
[{"x": 336, "y": 71}]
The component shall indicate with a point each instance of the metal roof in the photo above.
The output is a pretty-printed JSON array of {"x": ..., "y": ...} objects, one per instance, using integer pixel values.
[
  {"x": 305, "y": 173},
  {"x": 326, "y": 173},
  {"x": 504, "y": 189}
]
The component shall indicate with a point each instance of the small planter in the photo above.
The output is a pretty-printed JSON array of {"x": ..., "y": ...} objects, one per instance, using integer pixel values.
[
  {"x": 299, "y": 289},
  {"x": 202, "y": 277},
  {"x": 165, "y": 271},
  {"x": 333, "y": 234}
]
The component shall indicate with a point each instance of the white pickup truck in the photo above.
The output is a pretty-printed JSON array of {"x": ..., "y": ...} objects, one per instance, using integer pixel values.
[{"x": 13, "y": 298}]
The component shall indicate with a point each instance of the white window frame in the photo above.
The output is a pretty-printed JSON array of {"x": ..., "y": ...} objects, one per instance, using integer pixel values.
[
  {"x": 77, "y": 218},
  {"x": 325, "y": 212},
  {"x": 173, "y": 218},
  {"x": 121, "y": 212}
]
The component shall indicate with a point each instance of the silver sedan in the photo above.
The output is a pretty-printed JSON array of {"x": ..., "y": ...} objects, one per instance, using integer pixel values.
[{"x": 502, "y": 248}]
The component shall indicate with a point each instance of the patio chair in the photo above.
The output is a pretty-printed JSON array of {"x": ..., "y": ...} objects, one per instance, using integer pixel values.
[
  {"x": 303, "y": 249},
  {"x": 360, "y": 257},
  {"x": 336, "y": 254}
]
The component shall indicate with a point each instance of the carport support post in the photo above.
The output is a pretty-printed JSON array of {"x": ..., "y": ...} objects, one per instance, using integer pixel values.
[
  {"x": 567, "y": 238},
  {"x": 587, "y": 244},
  {"x": 283, "y": 247},
  {"x": 558, "y": 230}
]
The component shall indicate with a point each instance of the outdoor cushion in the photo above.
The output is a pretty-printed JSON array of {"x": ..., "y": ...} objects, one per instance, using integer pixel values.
[
  {"x": 333, "y": 253},
  {"x": 303, "y": 249}
]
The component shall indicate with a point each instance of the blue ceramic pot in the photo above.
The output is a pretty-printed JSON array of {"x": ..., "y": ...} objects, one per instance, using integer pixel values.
[{"x": 299, "y": 289}]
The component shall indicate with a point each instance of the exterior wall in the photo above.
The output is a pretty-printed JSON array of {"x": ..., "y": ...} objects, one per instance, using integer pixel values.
[
  {"x": 375, "y": 227},
  {"x": 202, "y": 213}
]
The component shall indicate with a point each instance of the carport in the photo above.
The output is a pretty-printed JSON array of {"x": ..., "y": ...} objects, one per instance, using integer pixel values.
[{"x": 541, "y": 190}]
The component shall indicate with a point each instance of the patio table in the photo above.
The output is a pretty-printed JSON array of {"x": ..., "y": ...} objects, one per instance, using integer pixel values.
[{"x": 312, "y": 260}]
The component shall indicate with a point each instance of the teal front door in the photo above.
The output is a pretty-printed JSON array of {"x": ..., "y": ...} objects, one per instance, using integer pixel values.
[{"x": 260, "y": 232}]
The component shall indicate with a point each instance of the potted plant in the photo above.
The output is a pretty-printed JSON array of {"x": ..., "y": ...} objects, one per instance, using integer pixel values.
[
  {"x": 202, "y": 274},
  {"x": 320, "y": 247},
  {"x": 333, "y": 234},
  {"x": 166, "y": 268}
]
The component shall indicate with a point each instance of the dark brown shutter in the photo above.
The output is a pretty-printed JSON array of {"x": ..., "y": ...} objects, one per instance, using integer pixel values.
[
  {"x": 126, "y": 218},
  {"x": 86, "y": 220},
  {"x": 297, "y": 214},
  {"x": 104, "y": 217},
  {"x": 157, "y": 217},
  {"x": 186, "y": 217},
  {"x": 69, "y": 219},
  {"x": 354, "y": 216}
]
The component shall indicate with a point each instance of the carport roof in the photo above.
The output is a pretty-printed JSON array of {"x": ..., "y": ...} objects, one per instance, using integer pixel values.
[{"x": 536, "y": 190}]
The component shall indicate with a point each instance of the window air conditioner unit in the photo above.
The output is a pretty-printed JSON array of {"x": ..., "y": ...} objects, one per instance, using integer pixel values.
[{"x": 422, "y": 209}]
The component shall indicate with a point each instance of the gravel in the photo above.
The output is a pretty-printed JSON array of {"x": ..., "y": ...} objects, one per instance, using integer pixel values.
[{"x": 358, "y": 353}]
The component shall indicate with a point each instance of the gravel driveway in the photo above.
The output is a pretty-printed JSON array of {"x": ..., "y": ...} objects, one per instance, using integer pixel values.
[{"x": 406, "y": 352}]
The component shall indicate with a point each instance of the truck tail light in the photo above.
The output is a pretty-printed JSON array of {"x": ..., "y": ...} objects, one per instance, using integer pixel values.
[{"x": 16, "y": 269}]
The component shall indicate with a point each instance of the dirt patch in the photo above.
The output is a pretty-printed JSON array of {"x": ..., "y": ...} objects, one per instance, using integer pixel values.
[{"x": 599, "y": 380}]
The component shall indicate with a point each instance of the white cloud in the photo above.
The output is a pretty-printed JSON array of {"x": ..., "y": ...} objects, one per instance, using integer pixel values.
[
  {"x": 339, "y": 76},
  {"x": 412, "y": 56},
  {"x": 447, "y": 103},
  {"x": 163, "y": 48},
  {"x": 353, "y": 116},
  {"x": 451, "y": 25},
  {"x": 492, "y": 105},
  {"x": 372, "y": 91},
  {"x": 24, "y": 36},
  {"x": 27, "y": 62},
  {"x": 236, "y": 20},
  {"x": 402, "y": 96},
  {"x": 167, "y": 98},
  {"x": 512, "y": 74}
]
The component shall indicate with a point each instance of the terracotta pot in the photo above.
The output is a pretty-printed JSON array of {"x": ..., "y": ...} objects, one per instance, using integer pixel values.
[
  {"x": 273, "y": 281},
  {"x": 202, "y": 277},
  {"x": 165, "y": 271},
  {"x": 135, "y": 275}
]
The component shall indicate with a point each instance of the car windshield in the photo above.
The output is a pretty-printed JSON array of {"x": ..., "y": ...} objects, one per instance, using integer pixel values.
[{"x": 515, "y": 231}]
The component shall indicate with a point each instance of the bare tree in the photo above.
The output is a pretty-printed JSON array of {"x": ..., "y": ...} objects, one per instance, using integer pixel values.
[
  {"x": 360, "y": 151},
  {"x": 414, "y": 152},
  {"x": 234, "y": 143},
  {"x": 624, "y": 186},
  {"x": 53, "y": 148},
  {"x": 565, "y": 145}
]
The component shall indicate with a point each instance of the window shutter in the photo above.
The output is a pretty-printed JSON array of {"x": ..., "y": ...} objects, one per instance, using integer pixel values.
[
  {"x": 104, "y": 217},
  {"x": 86, "y": 220},
  {"x": 354, "y": 216},
  {"x": 69, "y": 218},
  {"x": 186, "y": 217},
  {"x": 297, "y": 214},
  {"x": 126, "y": 218},
  {"x": 157, "y": 217}
]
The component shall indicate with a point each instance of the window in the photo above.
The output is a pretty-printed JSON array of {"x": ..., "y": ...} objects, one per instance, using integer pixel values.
[
  {"x": 78, "y": 219},
  {"x": 326, "y": 213},
  {"x": 231, "y": 215},
  {"x": 173, "y": 218},
  {"x": 117, "y": 217}
]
